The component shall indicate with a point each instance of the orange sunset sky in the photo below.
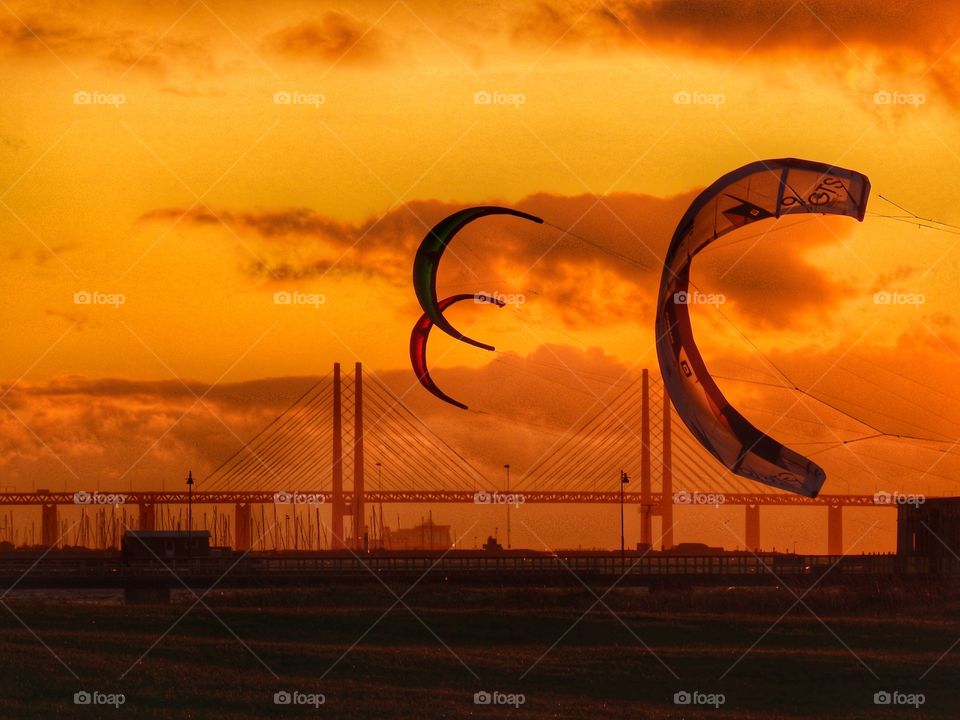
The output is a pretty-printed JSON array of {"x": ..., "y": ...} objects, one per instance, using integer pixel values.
[{"x": 186, "y": 188}]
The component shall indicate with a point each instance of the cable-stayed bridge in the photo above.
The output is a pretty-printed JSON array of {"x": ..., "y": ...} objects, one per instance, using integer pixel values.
[{"x": 349, "y": 443}]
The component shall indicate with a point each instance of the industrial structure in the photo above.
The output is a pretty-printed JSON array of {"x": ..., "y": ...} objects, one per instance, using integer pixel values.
[
  {"x": 425, "y": 536},
  {"x": 929, "y": 529}
]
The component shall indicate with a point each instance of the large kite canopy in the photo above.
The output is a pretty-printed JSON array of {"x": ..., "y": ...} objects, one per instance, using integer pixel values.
[
  {"x": 418, "y": 343},
  {"x": 765, "y": 189},
  {"x": 428, "y": 256}
]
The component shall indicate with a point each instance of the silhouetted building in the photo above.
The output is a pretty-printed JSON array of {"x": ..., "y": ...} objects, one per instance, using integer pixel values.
[
  {"x": 425, "y": 536},
  {"x": 929, "y": 529},
  {"x": 166, "y": 545}
]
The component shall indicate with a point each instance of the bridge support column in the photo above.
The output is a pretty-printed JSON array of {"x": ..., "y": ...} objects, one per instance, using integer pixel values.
[
  {"x": 49, "y": 525},
  {"x": 835, "y": 530},
  {"x": 646, "y": 503},
  {"x": 752, "y": 534},
  {"x": 337, "y": 541},
  {"x": 359, "y": 508},
  {"x": 243, "y": 528},
  {"x": 666, "y": 502},
  {"x": 148, "y": 516}
]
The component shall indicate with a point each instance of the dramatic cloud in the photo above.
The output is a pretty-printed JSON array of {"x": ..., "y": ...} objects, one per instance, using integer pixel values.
[
  {"x": 32, "y": 34},
  {"x": 334, "y": 38},
  {"x": 890, "y": 38},
  {"x": 604, "y": 267},
  {"x": 182, "y": 58},
  {"x": 935, "y": 331},
  {"x": 80, "y": 432},
  {"x": 772, "y": 280}
]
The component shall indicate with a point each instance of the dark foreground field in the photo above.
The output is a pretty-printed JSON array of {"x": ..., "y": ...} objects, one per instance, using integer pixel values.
[{"x": 429, "y": 660}]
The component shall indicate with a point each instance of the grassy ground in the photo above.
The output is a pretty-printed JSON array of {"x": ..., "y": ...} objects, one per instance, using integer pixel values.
[{"x": 461, "y": 641}]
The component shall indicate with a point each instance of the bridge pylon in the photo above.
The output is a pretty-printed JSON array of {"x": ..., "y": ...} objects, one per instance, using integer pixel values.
[
  {"x": 752, "y": 529},
  {"x": 835, "y": 530},
  {"x": 147, "y": 514},
  {"x": 666, "y": 501},
  {"x": 49, "y": 525},
  {"x": 646, "y": 503},
  {"x": 359, "y": 508},
  {"x": 337, "y": 509},
  {"x": 242, "y": 518}
]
